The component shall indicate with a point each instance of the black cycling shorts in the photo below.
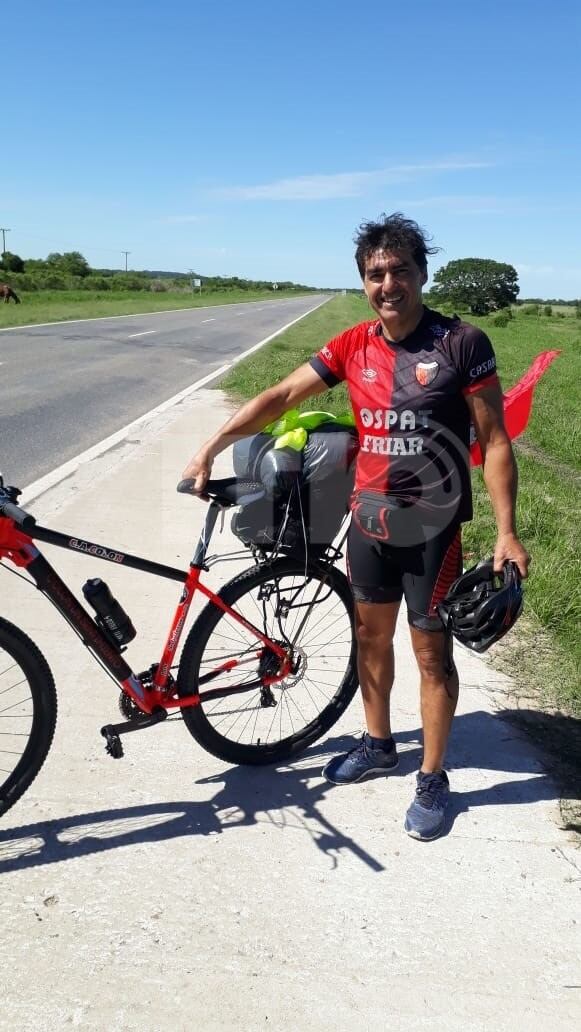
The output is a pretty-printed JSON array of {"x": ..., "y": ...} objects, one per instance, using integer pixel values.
[{"x": 422, "y": 572}]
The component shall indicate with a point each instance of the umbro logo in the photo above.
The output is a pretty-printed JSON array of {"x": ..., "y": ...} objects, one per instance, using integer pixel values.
[{"x": 369, "y": 374}]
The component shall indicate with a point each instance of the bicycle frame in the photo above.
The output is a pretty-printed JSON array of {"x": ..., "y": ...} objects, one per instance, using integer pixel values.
[{"x": 18, "y": 547}]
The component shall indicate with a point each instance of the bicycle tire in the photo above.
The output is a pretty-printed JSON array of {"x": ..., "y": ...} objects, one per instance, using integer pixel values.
[
  {"x": 206, "y": 722},
  {"x": 32, "y": 716}
]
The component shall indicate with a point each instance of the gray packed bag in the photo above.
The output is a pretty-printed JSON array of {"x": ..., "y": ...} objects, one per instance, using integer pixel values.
[{"x": 330, "y": 450}]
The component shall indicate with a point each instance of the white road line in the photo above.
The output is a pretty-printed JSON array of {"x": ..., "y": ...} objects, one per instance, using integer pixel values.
[
  {"x": 208, "y": 320},
  {"x": 68, "y": 468},
  {"x": 142, "y": 334}
]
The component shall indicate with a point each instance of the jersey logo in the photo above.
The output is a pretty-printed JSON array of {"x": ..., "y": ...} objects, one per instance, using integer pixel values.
[
  {"x": 426, "y": 372},
  {"x": 369, "y": 374},
  {"x": 326, "y": 351},
  {"x": 439, "y": 331}
]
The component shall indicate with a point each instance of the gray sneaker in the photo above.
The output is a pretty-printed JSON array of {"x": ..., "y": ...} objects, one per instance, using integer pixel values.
[
  {"x": 426, "y": 816},
  {"x": 359, "y": 763}
]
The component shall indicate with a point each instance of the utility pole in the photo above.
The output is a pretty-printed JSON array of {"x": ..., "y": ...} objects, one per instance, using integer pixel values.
[
  {"x": 4, "y": 231},
  {"x": 126, "y": 253}
]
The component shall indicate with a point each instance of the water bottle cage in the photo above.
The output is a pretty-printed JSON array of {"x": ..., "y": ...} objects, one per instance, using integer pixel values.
[{"x": 115, "y": 637}]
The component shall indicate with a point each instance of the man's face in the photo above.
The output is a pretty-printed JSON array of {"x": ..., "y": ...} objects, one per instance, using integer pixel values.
[{"x": 393, "y": 284}]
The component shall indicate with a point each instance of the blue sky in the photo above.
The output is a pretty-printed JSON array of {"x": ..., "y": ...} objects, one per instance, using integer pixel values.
[{"x": 251, "y": 138}]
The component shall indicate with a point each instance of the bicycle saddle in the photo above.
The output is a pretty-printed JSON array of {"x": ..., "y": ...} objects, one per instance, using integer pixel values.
[{"x": 227, "y": 492}]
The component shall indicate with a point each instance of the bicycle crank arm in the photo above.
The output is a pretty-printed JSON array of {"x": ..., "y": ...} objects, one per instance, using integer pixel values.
[{"x": 111, "y": 732}]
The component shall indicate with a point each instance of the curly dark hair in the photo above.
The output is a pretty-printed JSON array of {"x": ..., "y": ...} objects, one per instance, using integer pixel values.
[{"x": 392, "y": 233}]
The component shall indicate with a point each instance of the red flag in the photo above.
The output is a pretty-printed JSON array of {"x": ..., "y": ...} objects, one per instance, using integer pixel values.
[{"x": 518, "y": 401}]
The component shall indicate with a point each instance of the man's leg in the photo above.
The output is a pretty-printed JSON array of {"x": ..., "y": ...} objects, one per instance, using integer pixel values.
[
  {"x": 438, "y": 694},
  {"x": 375, "y": 628},
  {"x": 377, "y": 592},
  {"x": 424, "y": 589}
]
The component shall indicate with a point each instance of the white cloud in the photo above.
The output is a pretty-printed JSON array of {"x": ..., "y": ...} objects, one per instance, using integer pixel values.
[
  {"x": 466, "y": 204},
  {"x": 340, "y": 184}
]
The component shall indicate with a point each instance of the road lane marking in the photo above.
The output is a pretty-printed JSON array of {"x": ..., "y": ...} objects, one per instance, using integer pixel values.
[
  {"x": 44, "y": 484},
  {"x": 163, "y": 311},
  {"x": 208, "y": 320},
  {"x": 142, "y": 334}
]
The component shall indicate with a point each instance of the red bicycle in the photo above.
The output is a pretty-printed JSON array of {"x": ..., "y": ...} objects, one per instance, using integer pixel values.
[{"x": 266, "y": 669}]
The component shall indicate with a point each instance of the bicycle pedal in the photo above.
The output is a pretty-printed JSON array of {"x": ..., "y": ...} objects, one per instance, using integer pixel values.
[{"x": 113, "y": 744}]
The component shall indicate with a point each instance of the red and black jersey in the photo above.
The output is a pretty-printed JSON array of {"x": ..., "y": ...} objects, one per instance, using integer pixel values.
[{"x": 409, "y": 407}]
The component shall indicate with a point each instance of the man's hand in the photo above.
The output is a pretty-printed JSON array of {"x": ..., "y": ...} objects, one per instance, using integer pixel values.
[
  {"x": 507, "y": 547},
  {"x": 199, "y": 469}
]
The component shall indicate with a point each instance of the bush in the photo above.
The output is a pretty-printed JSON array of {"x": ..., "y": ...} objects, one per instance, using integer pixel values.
[
  {"x": 502, "y": 319},
  {"x": 548, "y": 310},
  {"x": 560, "y": 315},
  {"x": 12, "y": 262},
  {"x": 95, "y": 283},
  {"x": 158, "y": 286},
  {"x": 530, "y": 310},
  {"x": 578, "y": 312}
]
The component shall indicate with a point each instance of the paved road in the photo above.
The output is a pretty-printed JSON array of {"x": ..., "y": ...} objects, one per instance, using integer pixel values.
[{"x": 65, "y": 387}]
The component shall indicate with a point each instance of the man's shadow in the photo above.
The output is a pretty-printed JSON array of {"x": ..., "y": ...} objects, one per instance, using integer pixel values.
[{"x": 287, "y": 795}]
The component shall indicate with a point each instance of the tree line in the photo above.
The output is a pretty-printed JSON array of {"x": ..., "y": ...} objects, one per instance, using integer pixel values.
[{"x": 71, "y": 271}]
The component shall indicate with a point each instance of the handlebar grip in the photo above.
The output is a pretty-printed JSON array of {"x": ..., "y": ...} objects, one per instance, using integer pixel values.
[{"x": 18, "y": 515}]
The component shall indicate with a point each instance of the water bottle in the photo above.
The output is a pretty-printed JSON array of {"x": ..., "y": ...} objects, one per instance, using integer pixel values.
[{"x": 111, "y": 617}]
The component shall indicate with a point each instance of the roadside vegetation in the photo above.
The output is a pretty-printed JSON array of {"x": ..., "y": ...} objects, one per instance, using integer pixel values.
[
  {"x": 544, "y": 654},
  {"x": 59, "y": 306},
  {"x": 64, "y": 286}
]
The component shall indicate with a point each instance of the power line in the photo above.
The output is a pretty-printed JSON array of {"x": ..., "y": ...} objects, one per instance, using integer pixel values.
[
  {"x": 126, "y": 253},
  {"x": 4, "y": 230}
]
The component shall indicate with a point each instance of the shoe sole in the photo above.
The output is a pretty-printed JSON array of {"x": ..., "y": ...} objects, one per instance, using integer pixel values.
[
  {"x": 366, "y": 774},
  {"x": 423, "y": 838}
]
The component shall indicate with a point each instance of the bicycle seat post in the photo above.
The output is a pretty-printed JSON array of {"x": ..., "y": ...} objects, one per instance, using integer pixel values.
[{"x": 205, "y": 537}]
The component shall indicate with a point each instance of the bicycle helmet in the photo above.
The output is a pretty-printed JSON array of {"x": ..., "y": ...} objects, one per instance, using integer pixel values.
[{"x": 481, "y": 606}]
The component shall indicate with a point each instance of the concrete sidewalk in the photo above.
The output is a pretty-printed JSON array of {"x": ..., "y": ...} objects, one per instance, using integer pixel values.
[{"x": 170, "y": 891}]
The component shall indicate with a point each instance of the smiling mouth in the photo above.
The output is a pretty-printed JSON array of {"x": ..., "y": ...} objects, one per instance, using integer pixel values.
[{"x": 392, "y": 300}]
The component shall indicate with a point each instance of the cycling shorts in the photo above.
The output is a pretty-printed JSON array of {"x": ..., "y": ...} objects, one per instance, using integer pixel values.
[{"x": 422, "y": 572}]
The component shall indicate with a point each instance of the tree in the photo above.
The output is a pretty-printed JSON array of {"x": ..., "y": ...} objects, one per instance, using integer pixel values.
[
  {"x": 72, "y": 263},
  {"x": 12, "y": 262},
  {"x": 480, "y": 284}
]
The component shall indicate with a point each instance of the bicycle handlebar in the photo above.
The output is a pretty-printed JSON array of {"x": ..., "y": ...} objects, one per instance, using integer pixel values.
[{"x": 18, "y": 515}]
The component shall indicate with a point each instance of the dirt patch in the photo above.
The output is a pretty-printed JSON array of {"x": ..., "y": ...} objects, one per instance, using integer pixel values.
[{"x": 532, "y": 451}]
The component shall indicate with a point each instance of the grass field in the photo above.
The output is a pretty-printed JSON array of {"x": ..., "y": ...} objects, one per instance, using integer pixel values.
[
  {"x": 547, "y": 649},
  {"x": 59, "y": 305}
]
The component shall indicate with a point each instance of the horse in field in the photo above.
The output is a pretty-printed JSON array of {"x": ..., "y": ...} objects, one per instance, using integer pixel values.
[{"x": 7, "y": 293}]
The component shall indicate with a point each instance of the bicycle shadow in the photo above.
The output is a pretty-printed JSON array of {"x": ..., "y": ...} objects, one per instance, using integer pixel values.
[{"x": 286, "y": 796}]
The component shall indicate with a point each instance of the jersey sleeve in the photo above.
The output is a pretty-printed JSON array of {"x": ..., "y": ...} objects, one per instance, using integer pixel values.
[
  {"x": 329, "y": 362},
  {"x": 476, "y": 361}
]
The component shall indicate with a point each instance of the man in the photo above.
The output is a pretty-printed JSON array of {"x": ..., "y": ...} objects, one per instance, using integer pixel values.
[{"x": 416, "y": 380}]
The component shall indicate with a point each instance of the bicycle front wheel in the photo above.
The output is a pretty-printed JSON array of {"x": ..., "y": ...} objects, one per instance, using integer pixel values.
[
  {"x": 243, "y": 719},
  {"x": 27, "y": 713}
]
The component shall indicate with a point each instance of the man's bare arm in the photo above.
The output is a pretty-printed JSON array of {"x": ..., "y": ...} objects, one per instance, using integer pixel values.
[
  {"x": 500, "y": 473},
  {"x": 303, "y": 383}
]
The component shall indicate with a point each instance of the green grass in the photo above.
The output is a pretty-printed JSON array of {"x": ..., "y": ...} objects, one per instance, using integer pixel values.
[
  {"x": 59, "y": 305},
  {"x": 546, "y": 652},
  {"x": 297, "y": 345},
  {"x": 555, "y": 424}
]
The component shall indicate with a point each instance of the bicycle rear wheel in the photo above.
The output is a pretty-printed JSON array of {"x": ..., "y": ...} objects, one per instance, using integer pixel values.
[
  {"x": 28, "y": 709},
  {"x": 240, "y": 718}
]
